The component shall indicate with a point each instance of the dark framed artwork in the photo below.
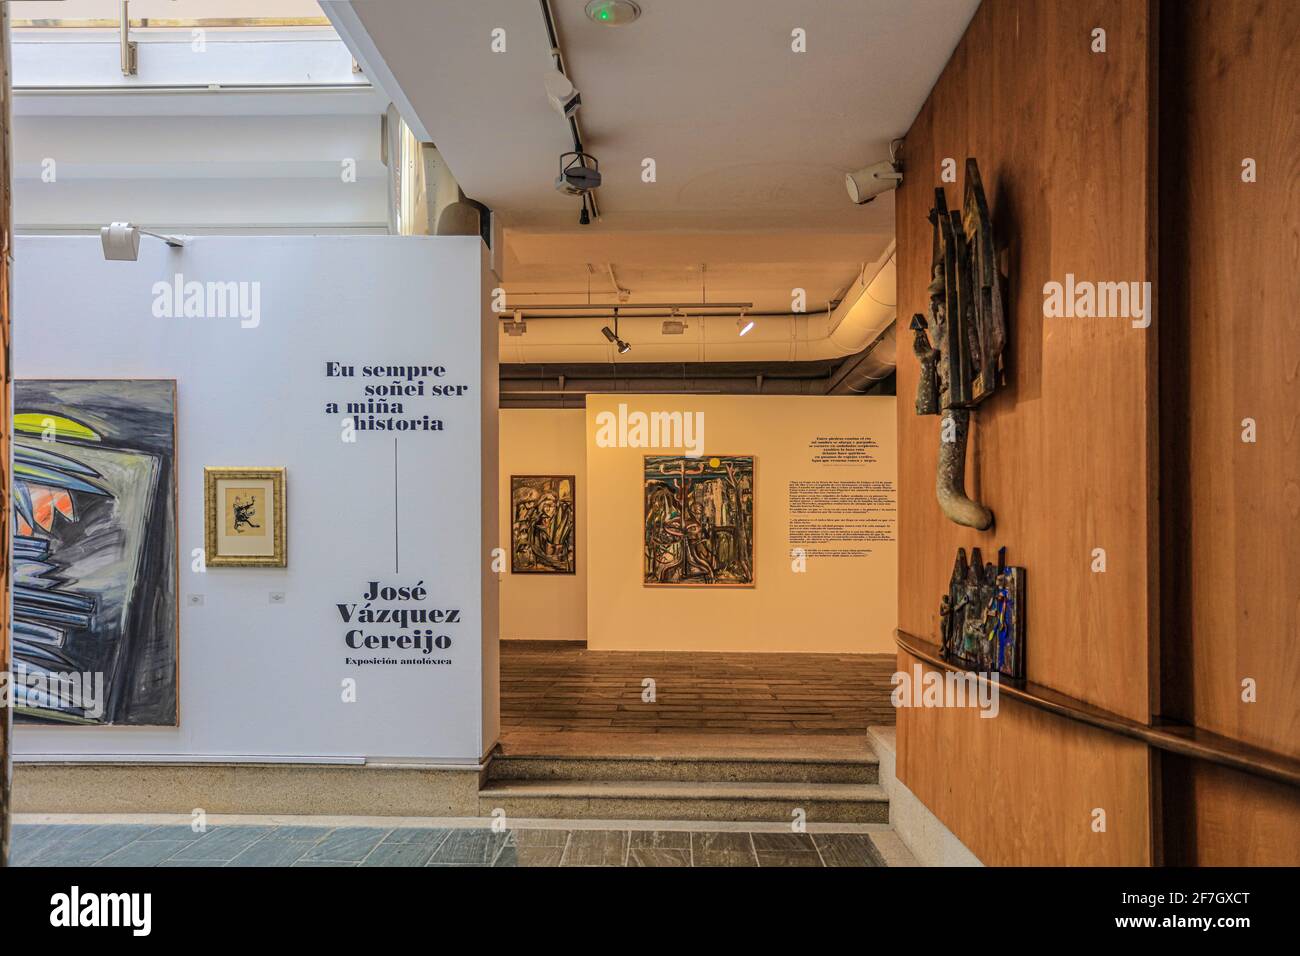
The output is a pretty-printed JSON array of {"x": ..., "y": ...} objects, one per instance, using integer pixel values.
[
  {"x": 95, "y": 551},
  {"x": 698, "y": 521},
  {"x": 543, "y": 524}
]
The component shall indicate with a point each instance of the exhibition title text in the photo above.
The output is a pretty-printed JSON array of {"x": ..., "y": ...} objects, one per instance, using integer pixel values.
[
  {"x": 382, "y": 404},
  {"x": 396, "y": 606}
]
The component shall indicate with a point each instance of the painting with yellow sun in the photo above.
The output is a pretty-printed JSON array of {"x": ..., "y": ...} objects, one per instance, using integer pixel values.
[{"x": 699, "y": 521}]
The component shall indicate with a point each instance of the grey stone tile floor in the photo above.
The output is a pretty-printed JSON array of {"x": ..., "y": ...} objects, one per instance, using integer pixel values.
[{"x": 247, "y": 845}]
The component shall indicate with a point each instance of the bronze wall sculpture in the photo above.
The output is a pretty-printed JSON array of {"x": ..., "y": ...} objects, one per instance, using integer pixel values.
[{"x": 962, "y": 366}]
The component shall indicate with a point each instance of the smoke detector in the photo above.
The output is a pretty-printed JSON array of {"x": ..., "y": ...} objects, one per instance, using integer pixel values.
[{"x": 612, "y": 13}]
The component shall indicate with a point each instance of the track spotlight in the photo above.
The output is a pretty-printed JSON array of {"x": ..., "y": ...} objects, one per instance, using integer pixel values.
[
  {"x": 561, "y": 94},
  {"x": 744, "y": 323},
  {"x": 516, "y": 326},
  {"x": 579, "y": 173},
  {"x": 869, "y": 182},
  {"x": 121, "y": 241},
  {"x": 675, "y": 325},
  {"x": 615, "y": 340},
  {"x": 612, "y": 336}
]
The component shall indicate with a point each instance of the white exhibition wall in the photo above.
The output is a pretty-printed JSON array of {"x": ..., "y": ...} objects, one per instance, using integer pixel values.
[{"x": 261, "y": 676}]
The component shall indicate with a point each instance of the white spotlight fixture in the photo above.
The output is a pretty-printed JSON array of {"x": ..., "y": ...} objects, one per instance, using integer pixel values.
[
  {"x": 612, "y": 13},
  {"x": 562, "y": 94},
  {"x": 676, "y": 324},
  {"x": 121, "y": 241},
  {"x": 515, "y": 326},
  {"x": 869, "y": 182},
  {"x": 744, "y": 323}
]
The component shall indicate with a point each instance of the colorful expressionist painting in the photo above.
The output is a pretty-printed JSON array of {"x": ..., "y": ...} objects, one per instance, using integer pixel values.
[
  {"x": 542, "y": 524},
  {"x": 699, "y": 521},
  {"x": 94, "y": 551}
]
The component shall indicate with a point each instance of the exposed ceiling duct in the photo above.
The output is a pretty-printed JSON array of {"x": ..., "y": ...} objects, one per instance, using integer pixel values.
[{"x": 864, "y": 315}]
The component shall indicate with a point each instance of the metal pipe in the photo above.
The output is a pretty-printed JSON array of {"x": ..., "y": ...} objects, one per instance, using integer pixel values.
[
  {"x": 6, "y": 430},
  {"x": 633, "y": 306}
]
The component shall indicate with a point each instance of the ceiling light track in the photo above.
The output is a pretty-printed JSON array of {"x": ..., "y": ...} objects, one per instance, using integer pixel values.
[{"x": 575, "y": 128}]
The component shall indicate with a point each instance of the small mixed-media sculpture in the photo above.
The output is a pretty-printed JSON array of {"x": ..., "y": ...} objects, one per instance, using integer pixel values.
[
  {"x": 982, "y": 617},
  {"x": 962, "y": 365}
]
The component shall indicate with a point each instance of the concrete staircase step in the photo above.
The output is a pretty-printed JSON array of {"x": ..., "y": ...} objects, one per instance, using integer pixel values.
[
  {"x": 698, "y": 769},
  {"x": 685, "y": 800}
]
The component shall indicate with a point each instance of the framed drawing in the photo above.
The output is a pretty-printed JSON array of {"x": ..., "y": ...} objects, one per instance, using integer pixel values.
[
  {"x": 244, "y": 517},
  {"x": 542, "y": 534},
  {"x": 95, "y": 551},
  {"x": 698, "y": 521}
]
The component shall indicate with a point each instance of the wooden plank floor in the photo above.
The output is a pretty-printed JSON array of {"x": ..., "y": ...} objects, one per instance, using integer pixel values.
[{"x": 562, "y": 686}]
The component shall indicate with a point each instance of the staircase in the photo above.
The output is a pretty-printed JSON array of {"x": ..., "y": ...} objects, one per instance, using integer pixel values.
[{"x": 627, "y": 783}]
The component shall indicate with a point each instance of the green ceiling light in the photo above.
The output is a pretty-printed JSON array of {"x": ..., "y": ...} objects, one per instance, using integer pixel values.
[{"x": 612, "y": 13}]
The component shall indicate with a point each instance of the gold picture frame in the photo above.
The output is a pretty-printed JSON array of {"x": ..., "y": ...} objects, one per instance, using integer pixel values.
[{"x": 234, "y": 501}]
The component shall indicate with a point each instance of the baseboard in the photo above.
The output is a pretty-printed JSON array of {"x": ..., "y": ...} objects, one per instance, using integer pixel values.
[
  {"x": 932, "y": 843},
  {"x": 330, "y": 789}
]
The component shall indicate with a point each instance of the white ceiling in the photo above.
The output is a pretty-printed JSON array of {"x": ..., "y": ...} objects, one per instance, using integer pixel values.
[{"x": 751, "y": 140}]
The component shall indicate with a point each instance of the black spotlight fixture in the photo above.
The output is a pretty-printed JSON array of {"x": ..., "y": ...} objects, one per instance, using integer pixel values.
[
  {"x": 579, "y": 175},
  {"x": 612, "y": 336}
]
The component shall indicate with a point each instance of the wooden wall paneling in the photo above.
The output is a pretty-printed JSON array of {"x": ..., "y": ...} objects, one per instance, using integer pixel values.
[
  {"x": 1021, "y": 788},
  {"x": 1060, "y": 455},
  {"x": 1216, "y": 816},
  {"x": 1063, "y": 455},
  {"x": 1230, "y": 350},
  {"x": 1233, "y": 268}
]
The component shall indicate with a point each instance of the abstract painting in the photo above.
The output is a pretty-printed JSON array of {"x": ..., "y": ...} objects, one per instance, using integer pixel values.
[
  {"x": 982, "y": 617},
  {"x": 244, "y": 517},
  {"x": 94, "y": 551},
  {"x": 699, "y": 521},
  {"x": 542, "y": 524}
]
